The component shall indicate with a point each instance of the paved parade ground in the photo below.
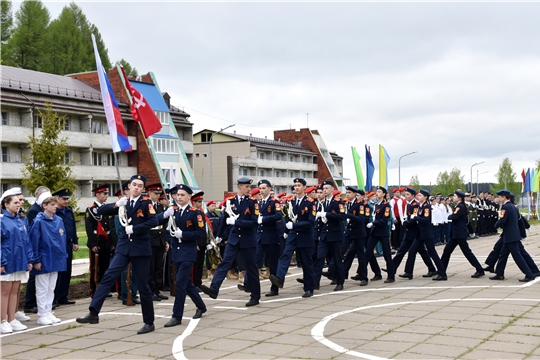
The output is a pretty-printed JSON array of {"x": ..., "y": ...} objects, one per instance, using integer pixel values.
[{"x": 409, "y": 319}]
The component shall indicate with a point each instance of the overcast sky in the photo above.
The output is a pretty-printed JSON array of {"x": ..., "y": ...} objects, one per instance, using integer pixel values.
[{"x": 457, "y": 82}]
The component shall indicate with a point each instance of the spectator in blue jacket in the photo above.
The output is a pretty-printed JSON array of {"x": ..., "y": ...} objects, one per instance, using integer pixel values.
[
  {"x": 16, "y": 257},
  {"x": 48, "y": 238}
]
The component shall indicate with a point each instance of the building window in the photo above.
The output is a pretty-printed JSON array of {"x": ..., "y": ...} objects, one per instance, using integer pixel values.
[
  {"x": 304, "y": 160},
  {"x": 205, "y": 137},
  {"x": 291, "y": 174},
  {"x": 38, "y": 121},
  {"x": 262, "y": 172},
  {"x": 277, "y": 157},
  {"x": 67, "y": 158},
  {"x": 291, "y": 158},
  {"x": 167, "y": 175},
  {"x": 67, "y": 123},
  {"x": 196, "y": 155},
  {"x": 204, "y": 155},
  {"x": 111, "y": 159},
  {"x": 165, "y": 146},
  {"x": 99, "y": 127},
  {"x": 262, "y": 156},
  {"x": 5, "y": 187},
  {"x": 97, "y": 159},
  {"x": 5, "y": 118},
  {"x": 5, "y": 154},
  {"x": 114, "y": 188},
  {"x": 163, "y": 117},
  {"x": 243, "y": 172},
  {"x": 278, "y": 173},
  {"x": 304, "y": 175}
]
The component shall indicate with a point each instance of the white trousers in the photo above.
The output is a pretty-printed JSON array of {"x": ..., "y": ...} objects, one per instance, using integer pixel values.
[{"x": 45, "y": 284}]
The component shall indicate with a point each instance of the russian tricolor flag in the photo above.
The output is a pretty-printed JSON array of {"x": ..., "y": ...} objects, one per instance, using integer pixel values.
[{"x": 117, "y": 131}]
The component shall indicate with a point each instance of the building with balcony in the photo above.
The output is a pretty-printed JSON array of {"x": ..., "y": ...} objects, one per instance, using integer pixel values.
[{"x": 234, "y": 156}]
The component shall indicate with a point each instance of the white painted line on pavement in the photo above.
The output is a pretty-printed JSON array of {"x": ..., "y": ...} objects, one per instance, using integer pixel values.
[
  {"x": 178, "y": 345},
  {"x": 229, "y": 307}
]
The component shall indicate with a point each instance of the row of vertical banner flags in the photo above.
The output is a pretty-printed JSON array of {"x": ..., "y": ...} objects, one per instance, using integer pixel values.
[
  {"x": 529, "y": 186},
  {"x": 384, "y": 160}
]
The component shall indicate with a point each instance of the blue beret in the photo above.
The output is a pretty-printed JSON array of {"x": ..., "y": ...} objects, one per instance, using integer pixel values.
[
  {"x": 410, "y": 191},
  {"x": 125, "y": 185},
  {"x": 138, "y": 177},
  {"x": 328, "y": 182},
  {"x": 383, "y": 189},
  {"x": 264, "y": 181},
  {"x": 184, "y": 187},
  {"x": 502, "y": 192},
  {"x": 300, "y": 180},
  {"x": 460, "y": 193},
  {"x": 65, "y": 193},
  {"x": 244, "y": 180},
  {"x": 424, "y": 192},
  {"x": 292, "y": 188}
]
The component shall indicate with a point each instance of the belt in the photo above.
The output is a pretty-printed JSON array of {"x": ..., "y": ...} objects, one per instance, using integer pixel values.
[
  {"x": 159, "y": 227},
  {"x": 108, "y": 232}
]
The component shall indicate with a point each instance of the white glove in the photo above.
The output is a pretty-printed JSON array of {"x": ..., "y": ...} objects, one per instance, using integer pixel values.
[
  {"x": 218, "y": 240},
  {"x": 230, "y": 221},
  {"x": 169, "y": 212},
  {"x": 319, "y": 214},
  {"x": 259, "y": 220},
  {"x": 129, "y": 229},
  {"x": 369, "y": 226},
  {"x": 178, "y": 234},
  {"x": 289, "y": 225},
  {"x": 393, "y": 227},
  {"x": 285, "y": 236},
  {"x": 122, "y": 202}
]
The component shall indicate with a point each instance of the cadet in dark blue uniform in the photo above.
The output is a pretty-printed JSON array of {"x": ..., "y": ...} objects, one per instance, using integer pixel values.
[
  {"x": 241, "y": 213},
  {"x": 356, "y": 235},
  {"x": 459, "y": 235},
  {"x": 301, "y": 220},
  {"x": 425, "y": 237},
  {"x": 72, "y": 244},
  {"x": 134, "y": 246},
  {"x": 331, "y": 236},
  {"x": 190, "y": 230},
  {"x": 381, "y": 232},
  {"x": 511, "y": 236}
]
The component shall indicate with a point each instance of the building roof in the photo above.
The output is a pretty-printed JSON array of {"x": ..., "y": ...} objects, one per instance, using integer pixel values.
[{"x": 48, "y": 84}]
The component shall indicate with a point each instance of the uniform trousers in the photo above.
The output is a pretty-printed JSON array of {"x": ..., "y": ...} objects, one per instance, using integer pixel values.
[
  {"x": 272, "y": 258},
  {"x": 184, "y": 287},
  {"x": 357, "y": 249},
  {"x": 157, "y": 261},
  {"x": 247, "y": 259},
  {"x": 307, "y": 265},
  {"x": 198, "y": 267},
  {"x": 140, "y": 266},
  {"x": 395, "y": 235},
  {"x": 333, "y": 249},
  {"x": 45, "y": 284},
  {"x": 62, "y": 283},
  {"x": 372, "y": 242},
  {"x": 404, "y": 248},
  {"x": 429, "y": 244},
  {"x": 465, "y": 249},
  {"x": 514, "y": 249}
]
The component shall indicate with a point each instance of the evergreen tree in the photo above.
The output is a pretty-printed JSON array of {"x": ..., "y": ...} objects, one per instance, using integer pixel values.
[
  {"x": 27, "y": 48},
  {"x": 102, "y": 50},
  {"x": 47, "y": 162},
  {"x": 130, "y": 71},
  {"x": 7, "y": 21}
]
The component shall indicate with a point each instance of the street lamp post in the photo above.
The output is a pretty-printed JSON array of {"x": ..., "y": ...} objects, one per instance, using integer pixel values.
[
  {"x": 473, "y": 165},
  {"x": 211, "y": 167},
  {"x": 399, "y": 166}
]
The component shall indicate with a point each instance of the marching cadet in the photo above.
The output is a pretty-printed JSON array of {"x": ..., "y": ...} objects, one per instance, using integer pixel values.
[
  {"x": 160, "y": 245},
  {"x": 101, "y": 237},
  {"x": 380, "y": 233},
  {"x": 300, "y": 224},
  {"x": 134, "y": 246},
  {"x": 72, "y": 244},
  {"x": 196, "y": 201},
  {"x": 190, "y": 229},
  {"x": 459, "y": 236},
  {"x": 241, "y": 214},
  {"x": 356, "y": 233},
  {"x": 473, "y": 215},
  {"x": 398, "y": 208},
  {"x": 331, "y": 236}
]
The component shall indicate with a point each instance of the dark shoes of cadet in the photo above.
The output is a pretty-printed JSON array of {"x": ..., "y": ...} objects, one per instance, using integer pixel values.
[
  {"x": 300, "y": 280},
  {"x": 271, "y": 293},
  {"x": 276, "y": 281},
  {"x": 363, "y": 283},
  {"x": 338, "y": 288},
  {"x": 406, "y": 276},
  {"x": 376, "y": 277},
  {"x": 478, "y": 274},
  {"x": 440, "y": 278},
  {"x": 244, "y": 288},
  {"x": 327, "y": 275},
  {"x": 390, "y": 280},
  {"x": 173, "y": 322},
  {"x": 199, "y": 313},
  {"x": 252, "y": 302},
  {"x": 307, "y": 294},
  {"x": 489, "y": 269},
  {"x": 146, "y": 329},
  {"x": 430, "y": 274},
  {"x": 526, "y": 279},
  {"x": 356, "y": 277},
  {"x": 496, "y": 277},
  {"x": 208, "y": 291},
  {"x": 90, "y": 318}
]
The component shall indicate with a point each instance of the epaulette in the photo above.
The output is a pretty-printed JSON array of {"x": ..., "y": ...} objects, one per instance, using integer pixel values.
[
  {"x": 91, "y": 206},
  {"x": 252, "y": 198},
  {"x": 272, "y": 198},
  {"x": 192, "y": 208},
  {"x": 230, "y": 197},
  {"x": 309, "y": 199},
  {"x": 144, "y": 198}
]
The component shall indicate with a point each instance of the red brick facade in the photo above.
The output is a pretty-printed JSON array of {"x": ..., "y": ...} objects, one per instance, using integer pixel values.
[{"x": 304, "y": 136}]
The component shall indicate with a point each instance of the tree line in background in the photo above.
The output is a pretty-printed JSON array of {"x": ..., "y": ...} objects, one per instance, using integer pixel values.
[
  {"x": 30, "y": 40},
  {"x": 448, "y": 182}
]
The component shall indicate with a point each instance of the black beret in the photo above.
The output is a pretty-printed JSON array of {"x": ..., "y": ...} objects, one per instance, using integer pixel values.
[
  {"x": 383, "y": 189},
  {"x": 410, "y": 191},
  {"x": 424, "y": 192},
  {"x": 138, "y": 177},
  {"x": 264, "y": 181},
  {"x": 300, "y": 180},
  {"x": 64, "y": 193},
  {"x": 328, "y": 182}
]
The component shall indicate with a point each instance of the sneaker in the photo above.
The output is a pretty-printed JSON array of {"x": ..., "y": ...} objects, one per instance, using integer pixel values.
[
  {"x": 53, "y": 318},
  {"x": 19, "y": 315},
  {"x": 5, "y": 328},
  {"x": 17, "y": 326},
  {"x": 44, "y": 320}
]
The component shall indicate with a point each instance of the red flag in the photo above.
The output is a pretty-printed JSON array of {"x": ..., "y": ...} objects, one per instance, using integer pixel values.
[
  {"x": 141, "y": 111},
  {"x": 524, "y": 180}
]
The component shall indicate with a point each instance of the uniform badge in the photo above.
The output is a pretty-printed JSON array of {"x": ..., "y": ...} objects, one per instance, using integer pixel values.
[
  {"x": 502, "y": 213},
  {"x": 189, "y": 223},
  {"x": 87, "y": 214},
  {"x": 269, "y": 208},
  {"x": 354, "y": 212},
  {"x": 248, "y": 212},
  {"x": 341, "y": 208},
  {"x": 200, "y": 221},
  {"x": 151, "y": 209},
  {"x": 457, "y": 209},
  {"x": 314, "y": 211},
  {"x": 278, "y": 207},
  {"x": 256, "y": 206},
  {"x": 94, "y": 210},
  {"x": 140, "y": 213},
  {"x": 415, "y": 212},
  {"x": 61, "y": 231},
  {"x": 426, "y": 212},
  {"x": 361, "y": 209},
  {"x": 387, "y": 212},
  {"x": 367, "y": 211}
]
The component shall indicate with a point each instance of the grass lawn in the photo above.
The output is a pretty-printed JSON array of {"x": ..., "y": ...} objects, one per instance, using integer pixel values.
[{"x": 83, "y": 252}]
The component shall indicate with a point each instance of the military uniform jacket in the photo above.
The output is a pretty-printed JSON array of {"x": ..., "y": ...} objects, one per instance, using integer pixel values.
[
  {"x": 356, "y": 214},
  {"x": 459, "y": 222},
  {"x": 143, "y": 218},
  {"x": 192, "y": 224},
  {"x": 426, "y": 230},
  {"x": 508, "y": 221},
  {"x": 244, "y": 230},
  {"x": 380, "y": 223},
  {"x": 92, "y": 217},
  {"x": 158, "y": 234},
  {"x": 268, "y": 231},
  {"x": 214, "y": 220},
  {"x": 410, "y": 224},
  {"x": 332, "y": 230},
  {"x": 71, "y": 227},
  {"x": 302, "y": 230}
]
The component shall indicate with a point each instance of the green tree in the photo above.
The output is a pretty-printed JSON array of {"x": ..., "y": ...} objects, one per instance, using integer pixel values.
[
  {"x": 506, "y": 178},
  {"x": 415, "y": 182},
  {"x": 46, "y": 164},
  {"x": 6, "y": 20},
  {"x": 102, "y": 50},
  {"x": 447, "y": 183},
  {"x": 127, "y": 67},
  {"x": 442, "y": 183},
  {"x": 28, "y": 45}
]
